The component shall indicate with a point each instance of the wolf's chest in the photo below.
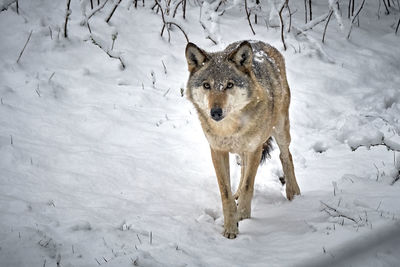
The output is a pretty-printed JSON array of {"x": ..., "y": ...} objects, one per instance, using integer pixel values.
[{"x": 236, "y": 143}]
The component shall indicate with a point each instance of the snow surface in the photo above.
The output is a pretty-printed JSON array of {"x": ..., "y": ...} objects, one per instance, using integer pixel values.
[{"x": 105, "y": 166}]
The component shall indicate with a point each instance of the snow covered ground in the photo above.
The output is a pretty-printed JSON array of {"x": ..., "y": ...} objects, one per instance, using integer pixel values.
[{"x": 101, "y": 165}]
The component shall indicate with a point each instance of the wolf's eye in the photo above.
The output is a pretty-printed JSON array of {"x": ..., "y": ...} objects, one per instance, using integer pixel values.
[
  {"x": 229, "y": 85},
  {"x": 206, "y": 86}
]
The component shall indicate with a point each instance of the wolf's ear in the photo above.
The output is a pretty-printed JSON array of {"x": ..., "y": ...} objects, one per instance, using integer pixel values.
[
  {"x": 242, "y": 56},
  {"x": 195, "y": 56}
]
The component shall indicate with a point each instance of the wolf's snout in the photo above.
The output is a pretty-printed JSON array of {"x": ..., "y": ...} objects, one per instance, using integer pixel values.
[{"x": 216, "y": 114}]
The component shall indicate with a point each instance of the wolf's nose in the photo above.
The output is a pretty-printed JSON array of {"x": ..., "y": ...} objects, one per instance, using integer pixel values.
[{"x": 216, "y": 114}]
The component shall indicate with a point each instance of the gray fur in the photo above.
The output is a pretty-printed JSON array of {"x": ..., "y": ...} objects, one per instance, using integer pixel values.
[{"x": 254, "y": 109}]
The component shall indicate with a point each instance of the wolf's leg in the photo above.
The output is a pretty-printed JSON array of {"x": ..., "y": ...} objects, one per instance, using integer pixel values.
[
  {"x": 242, "y": 170},
  {"x": 250, "y": 163},
  {"x": 221, "y": 165},
  {"x": 282, "y": 136}
]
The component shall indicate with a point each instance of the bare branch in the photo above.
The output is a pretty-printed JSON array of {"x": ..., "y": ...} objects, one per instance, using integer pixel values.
[
  {"x": 390, "y": 145},
  {"x": 26, "y": 43},
  {"x": 165, "y": 68},
  {"x": 397, "y": 27},
  {"x": 176, "y": 8},
  {"x": 4, "y": 6},
  {"x": 67, "y": 14},
  {"x": 108, "y": 52},
  {"x": 314, "y": 22},
  {"x": 184, "y": 9},
  {"x": 354, "y": 17},
  {"x": 219, "y": 5},
  {"x": 113, "y": 10},
  {"x": 395, "y": 179},
  {"x": 183, "y": 3},
  {"x": 348, "y": 9},
  {"x": 212, "y": 40},
  {"x": 387, "y": 9},
  {"x": 358, "y": 12},
  {"x": 94, "y": 11},
  {"x": 305, "y": 10},
  {"x": 157, "y": 4},
  {"x": 180, "y": 28},
  {"x": 208, "y": 33},
  {"x": 282, "y": 25},
  {"x": 290, "y": 16},
  {"x": 105, "y": 50},
  {"x": 326, "y": 26},
  {"x": 336, "y": 213},
  {"x": 248, "y": 17},
  {"x": 167, "y": 24}
]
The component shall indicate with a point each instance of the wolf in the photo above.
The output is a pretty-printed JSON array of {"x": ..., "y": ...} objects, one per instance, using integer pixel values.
[{"x": 242, "y": 98}]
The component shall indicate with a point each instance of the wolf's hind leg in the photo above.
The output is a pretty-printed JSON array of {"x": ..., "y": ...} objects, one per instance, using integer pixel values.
[
  {"x": 220, "y": 160},
  {"x": 242, "y": 169},
  {"x": 250, "y": 163},
  {"x": 282, "y": 136}
]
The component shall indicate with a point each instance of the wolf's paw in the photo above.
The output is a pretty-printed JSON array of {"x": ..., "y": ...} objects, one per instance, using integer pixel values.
[
  {"x": 244, "y": 207},
  {"x": 230, "y": 233},
  {"x": 244, "y": 214},
  {"x": 292, "y": 190},
  {"x": 231, "y": 230}
]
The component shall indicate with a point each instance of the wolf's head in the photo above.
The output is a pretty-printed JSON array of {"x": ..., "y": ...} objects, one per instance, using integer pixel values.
[{"x": 219, "y": 83}]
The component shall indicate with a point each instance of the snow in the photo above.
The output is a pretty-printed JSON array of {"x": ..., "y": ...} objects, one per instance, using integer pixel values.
[{"x": 105, "y": 166}]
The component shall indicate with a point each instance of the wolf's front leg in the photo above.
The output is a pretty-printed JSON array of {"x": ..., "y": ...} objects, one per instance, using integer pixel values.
[
  {"x": 250, "y": 162},
  {"x": 221, "y": 165}
]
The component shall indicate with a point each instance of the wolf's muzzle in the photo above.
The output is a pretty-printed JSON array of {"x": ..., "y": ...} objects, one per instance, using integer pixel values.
[{"x": 216, "y": 114}]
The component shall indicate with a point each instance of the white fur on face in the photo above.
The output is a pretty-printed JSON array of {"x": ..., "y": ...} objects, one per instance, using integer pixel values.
[
  {"x": 200, "y": 97},
  {"x": 236, "y": 101}
]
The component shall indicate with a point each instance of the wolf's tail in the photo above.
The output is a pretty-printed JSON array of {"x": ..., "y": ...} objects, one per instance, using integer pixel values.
[{"x": 267, "y": 148}]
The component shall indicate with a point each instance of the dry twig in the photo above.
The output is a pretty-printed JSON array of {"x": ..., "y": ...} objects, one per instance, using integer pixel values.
[
  {"x": 290, "y": 16},
  {"x": 387, "y": 9},
  {"x": 107, "y": 52},
  {"x": 96, "y": 10},
  {"x": 282, "y": 25},
  {"x": 23, "y": 49},
  {"x": 68, "y": 13},
  {"x": 354, "y": 17},
  {"x": 183, "y": 3},
  {"x": 390, "y": 145},
  {"x": 336, "y": 213},
  {"x": 167, "y": 24},
  {"x": 326, "y": 25},
  {"x": 395, "y": 179},
  {"x": 219, "y": 5},
  {"x": 113, "y": 10},
  {"x": 248, "y": 17},
  {"x": 176, "y": 8},
  {"x": 208, "y": 32},
  {"x": 4, "y": 6},
  {"x": 314, "y": 23},
  {"x": 305, "y": 11}
]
